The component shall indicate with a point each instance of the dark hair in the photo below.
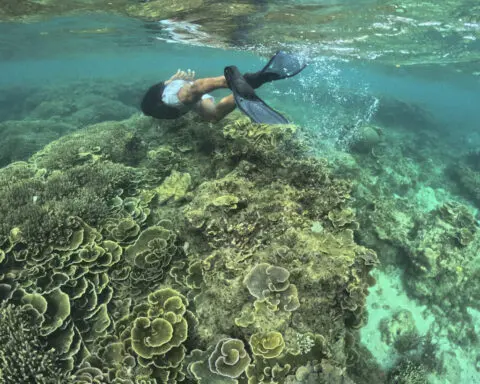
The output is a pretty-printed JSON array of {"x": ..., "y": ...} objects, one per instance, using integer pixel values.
[
  {"x": 152, "y": 99},
  {"x": 152, "y": 104}
]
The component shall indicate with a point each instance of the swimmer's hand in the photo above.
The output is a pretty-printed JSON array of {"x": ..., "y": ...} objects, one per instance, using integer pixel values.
[{"x": 187, "y": 75}]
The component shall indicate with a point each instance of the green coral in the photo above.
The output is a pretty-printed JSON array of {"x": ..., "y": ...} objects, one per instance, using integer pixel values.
[
  {"x": 264, "y": 278},
  {"x": 149, "y": 257},
  {"x": 68, "y": 285},
  {"x": 155, "y": 332},
  {"x": 136, "y": 208},
  {"x": 267, "y": 345},
  {"x": 343, "y": 218},
  {"x": 163, "y": 160},
  {"x": 224, "y": 363},
  {"x": 23, "y": 355},
  {"x": 109, "y": 363},
  {"x": 229, "y": 358},
  {"x": 174, "y": 187},
  {"x": 164, "y": 326},
  {"x": 265, "y": 281},
  {"x": 122, "y": 230},
  {"x": 268, "y": 371}
]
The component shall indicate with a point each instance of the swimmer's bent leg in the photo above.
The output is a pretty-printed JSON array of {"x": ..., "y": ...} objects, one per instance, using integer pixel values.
[
  {"x": 193, "y": 92},
  {"x": 207, "y": 109}
]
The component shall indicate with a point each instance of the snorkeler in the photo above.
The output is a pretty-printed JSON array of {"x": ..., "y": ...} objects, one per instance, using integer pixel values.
[{"x": 176, "y": 96}]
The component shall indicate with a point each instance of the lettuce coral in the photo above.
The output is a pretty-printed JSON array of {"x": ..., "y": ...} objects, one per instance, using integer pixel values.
[
  {"x": 269, "y": 282},
  {"x": 173, "y": 187},
  {"x": 229, "y": 358},
  {"x": 268, "y": 345},
  {"x": 155, "y": 332},
  {"x": 149, "y": 257}
]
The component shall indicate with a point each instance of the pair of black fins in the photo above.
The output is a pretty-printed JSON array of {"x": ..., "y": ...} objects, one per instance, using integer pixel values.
[{"x": 281, "y": 66}]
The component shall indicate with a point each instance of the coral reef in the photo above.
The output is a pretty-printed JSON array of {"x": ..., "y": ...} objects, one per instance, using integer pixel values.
[
  {"x": 466, "y": 175},
  {"x": 400, "y": 331},
  {"x": 440, "y": 245},
  {"x": 407, "y": 372},
  {"x": 225, "y": 258},
  {"x": 408, "y": 213},
  {"x": 21, "y": 139},
  {"x": 23, "y": 356},
  {"x": 31, "y": 117}
]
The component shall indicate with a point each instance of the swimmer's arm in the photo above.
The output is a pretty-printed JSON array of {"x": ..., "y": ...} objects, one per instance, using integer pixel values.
[{"x": 188, "y": 75}]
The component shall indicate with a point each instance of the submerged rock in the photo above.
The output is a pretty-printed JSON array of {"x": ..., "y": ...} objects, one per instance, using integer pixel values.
[{"x": 366, "y": 138}]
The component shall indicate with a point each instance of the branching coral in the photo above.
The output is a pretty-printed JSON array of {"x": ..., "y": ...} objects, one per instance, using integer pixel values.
[
  {"x": 24, "y": 357},
  {"x": 43, "y": 203}
]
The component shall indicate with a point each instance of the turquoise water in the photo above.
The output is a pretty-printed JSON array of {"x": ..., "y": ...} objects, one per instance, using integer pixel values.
[
  {"x": 69, "y": 49},
  {"x": 406, "y": 136}
]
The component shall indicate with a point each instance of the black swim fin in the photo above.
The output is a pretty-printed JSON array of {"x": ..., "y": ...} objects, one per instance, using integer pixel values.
[
  {"x": 281, "y": 66},
  {"x": 248, "y": 102}
]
